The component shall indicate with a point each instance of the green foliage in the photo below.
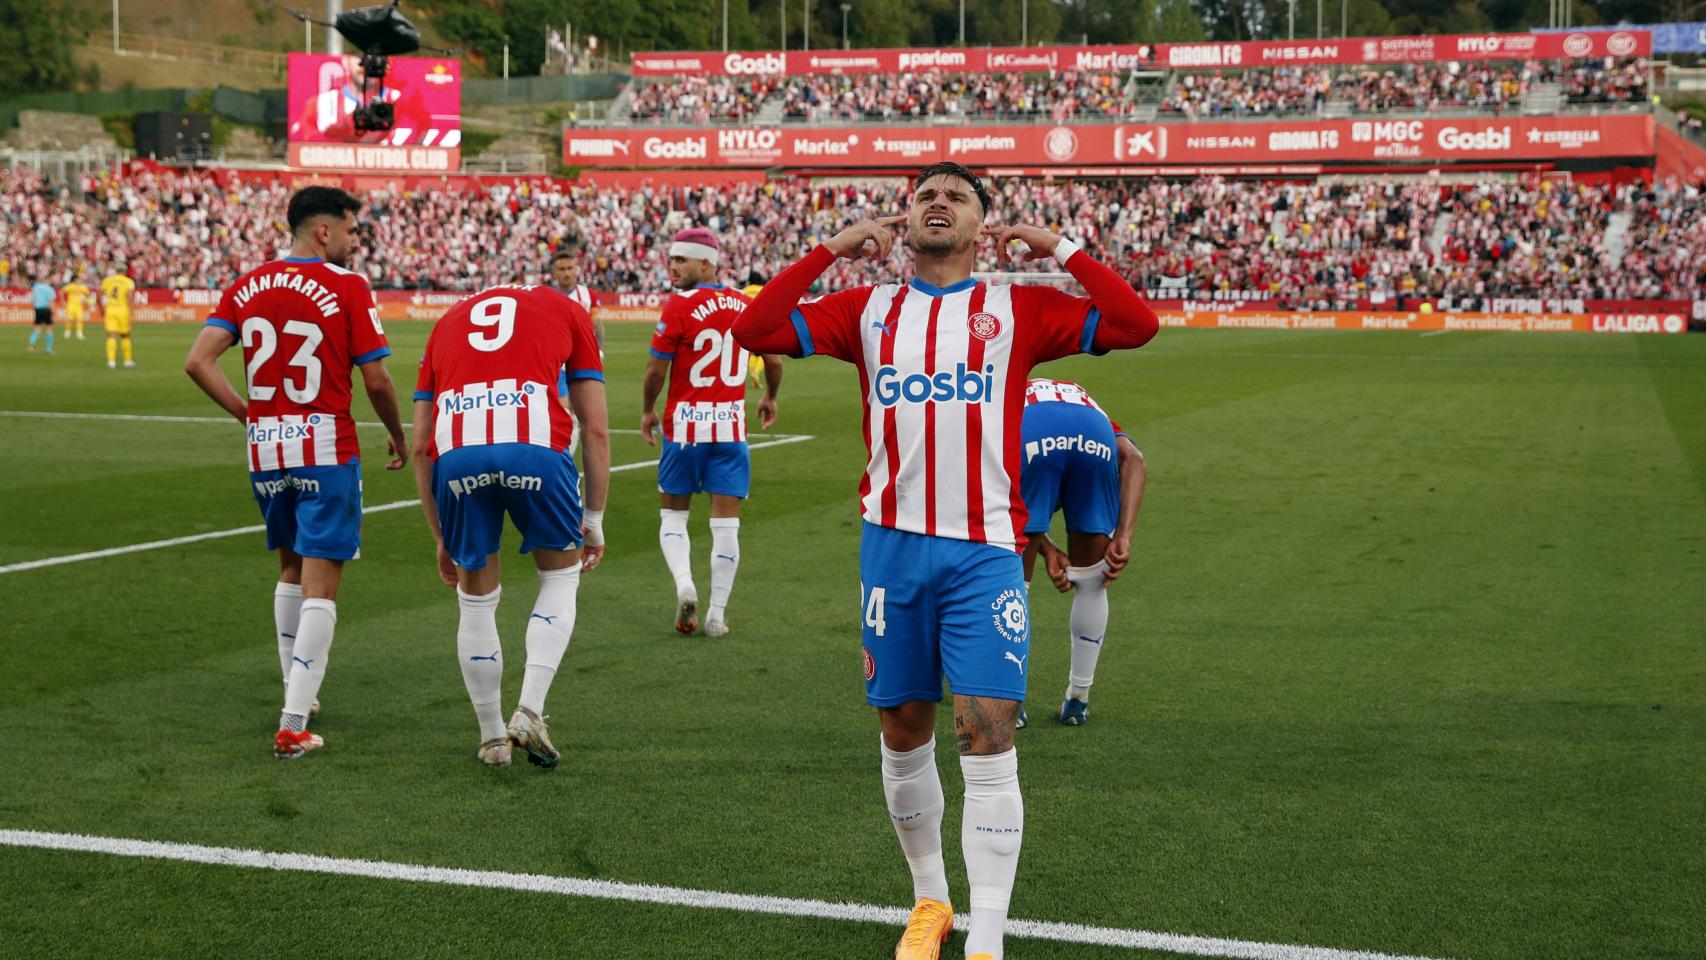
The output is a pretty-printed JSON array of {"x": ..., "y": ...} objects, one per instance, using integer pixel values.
[
  {"x": 122, "y": 126},
  {"x": 35, "y": 47}
]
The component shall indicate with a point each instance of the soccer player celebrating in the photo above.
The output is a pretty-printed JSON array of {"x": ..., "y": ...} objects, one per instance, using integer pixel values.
[
  {"x": 116, "y": 291},
  {"x": 1080, "y": 462},
  {"x": 704, "y": 422},
  {"x": 491, "y": 438},
  {"x": 942, "y": 362},
  {"x": 76, "y": 307},
  {"x": 304, "y": 322}
]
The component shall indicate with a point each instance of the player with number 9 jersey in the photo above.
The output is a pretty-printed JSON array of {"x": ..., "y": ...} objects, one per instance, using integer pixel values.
[
  {"x": 493, "y": 439},
  {"x": 490, "y": 374}
]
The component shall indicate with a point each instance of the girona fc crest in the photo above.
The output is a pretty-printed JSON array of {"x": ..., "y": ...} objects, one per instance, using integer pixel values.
[
  {"x": 984, "y": 326},
  {"x": 870, "y": 664}
]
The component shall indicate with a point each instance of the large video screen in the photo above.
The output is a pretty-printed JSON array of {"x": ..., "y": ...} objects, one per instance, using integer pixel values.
[{"x": 425, "y": 92}]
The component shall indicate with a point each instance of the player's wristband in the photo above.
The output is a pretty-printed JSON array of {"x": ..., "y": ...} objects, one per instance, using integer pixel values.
[
  {"x": 1064, "y": 250},
  {"x": 592, "y": 522}
]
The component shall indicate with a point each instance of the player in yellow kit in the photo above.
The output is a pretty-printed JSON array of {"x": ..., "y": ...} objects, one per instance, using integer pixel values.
[
  {"x": 116, "y": 291},
  {"x": 76, "y": 308}
]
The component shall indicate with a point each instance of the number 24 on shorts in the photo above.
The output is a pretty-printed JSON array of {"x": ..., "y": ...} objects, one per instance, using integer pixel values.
[{"x": 874, "y": 601}]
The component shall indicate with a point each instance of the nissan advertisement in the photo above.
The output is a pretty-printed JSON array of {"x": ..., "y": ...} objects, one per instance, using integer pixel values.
[{"x": 1433, "y": 139}]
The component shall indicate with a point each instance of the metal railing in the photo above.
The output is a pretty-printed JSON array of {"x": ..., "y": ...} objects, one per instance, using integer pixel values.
[
  {"x": 172, "y": 48},
  {"x": 62, "y": 165}
]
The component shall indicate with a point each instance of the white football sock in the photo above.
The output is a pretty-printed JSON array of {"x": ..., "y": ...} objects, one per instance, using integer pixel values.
[
  {"x": 990, "y": 835},
  {"x": 286, "y": 616},
  {"x": 914, "y": 793},
  {"x": 677, "y": 550},
  {"x": 481, "y": 656},
  {"x": 725, "y": 560},
  {"x": 1089, "y": 624},
  {"x": 308, "y": 660},
  {"x": 549, "y": 628}
]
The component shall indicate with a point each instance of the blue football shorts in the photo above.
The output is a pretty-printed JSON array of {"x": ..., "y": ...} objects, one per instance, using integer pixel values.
[
  {"x": 475, "y": 486},
  {"x": 1071, "y": 465},
  {"x": 932, "y": 606},
  {"x": 315, "y": 511},
  {"x": 688, "y": 468}
]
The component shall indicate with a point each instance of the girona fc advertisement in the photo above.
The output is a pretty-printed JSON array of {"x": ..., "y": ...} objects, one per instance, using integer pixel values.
[
  {"x": 1081, "y": 148},
  {"x": 1174, "y": 56},
  {"x": 424, "y": 92}
]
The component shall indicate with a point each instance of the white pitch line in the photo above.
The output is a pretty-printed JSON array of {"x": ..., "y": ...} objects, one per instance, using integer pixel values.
[
  {"x": 152, "y": 418},
  {"x": 1435, "y": 333},
  {"x": 260, "y": 527},
  {"x": 667, "y": 896}
]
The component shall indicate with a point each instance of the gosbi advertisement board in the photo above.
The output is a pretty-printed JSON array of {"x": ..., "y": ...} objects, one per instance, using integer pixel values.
[
  {"x": 1604, "y": 42},
  {"x": 425, "y": 95},
  {"x": 1375, "y": 139}
]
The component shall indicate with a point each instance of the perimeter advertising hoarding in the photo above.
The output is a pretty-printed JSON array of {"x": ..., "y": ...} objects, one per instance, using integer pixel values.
[
  {"x": 1479, "y": 139},
  {"x": 425, "y": 93},
  {"x": 1656, "y": 316},
  {"x": 1177, "y": 56}
]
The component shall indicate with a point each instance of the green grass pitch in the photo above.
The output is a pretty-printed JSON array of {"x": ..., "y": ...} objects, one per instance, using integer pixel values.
[{"x": 1409, "y": 659}]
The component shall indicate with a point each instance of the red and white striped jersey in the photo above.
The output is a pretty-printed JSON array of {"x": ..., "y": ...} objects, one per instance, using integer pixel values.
[
  {"x": 1044, "y": 390},
  {"x": 492, "y": 363},
  {"x": 943, "y": 372},
  {"x": 303, "y": 323},
  {"x": 707, "y": 368},
  {"x": 581, "y": 295}
]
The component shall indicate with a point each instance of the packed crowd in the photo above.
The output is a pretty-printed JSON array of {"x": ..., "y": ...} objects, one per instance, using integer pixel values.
[
  {"x": 1428, "y": 86},
  {"x": 1312, "y": 245},
  {"x": 1064, "y": 94},
  {"x": 700, "y": 99}
]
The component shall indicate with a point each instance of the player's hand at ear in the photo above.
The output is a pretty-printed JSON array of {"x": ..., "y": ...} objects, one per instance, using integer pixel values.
[
  {"x": 1039, "y": 243},
  {"x": 446, "y": 566},
  {"x": 1116, "y": 557},
  {"x": 766, "y": 413},
  {"x": 649, "y": 427},
  {"x": 399, "y": 450},
  {"x": 867, "y": 238}
]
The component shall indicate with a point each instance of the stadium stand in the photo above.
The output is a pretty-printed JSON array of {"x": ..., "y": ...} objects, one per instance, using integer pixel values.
[
  {"x": 1310, "y": 245},
  {"x": 1068, "y": 94}
]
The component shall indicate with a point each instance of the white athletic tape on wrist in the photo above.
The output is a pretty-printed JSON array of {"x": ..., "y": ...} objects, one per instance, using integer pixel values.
[
  {"x": 1064, "y": 250},
  {"x": 593, "y": 524},
  {"x": 694, "y": 251}
]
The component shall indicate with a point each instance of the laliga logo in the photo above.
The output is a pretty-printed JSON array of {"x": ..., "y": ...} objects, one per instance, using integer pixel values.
[
  {"x": 693, "y": 148},
  {"x": 761, "y": 65},
  {"x": 984, "y": 326},
  {"x": 1061, "y": 145},
  {"x": 1579, "y": 45},
  {"x": 1451, "y": 138}
]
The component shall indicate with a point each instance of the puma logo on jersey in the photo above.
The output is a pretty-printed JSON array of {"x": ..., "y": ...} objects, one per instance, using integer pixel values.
[
  {"x": 306, "y": 664},
  {"x": 541, "y": 616},
  {"x": 493, "y": 658},
  {"x": 1017, "y": 661}
]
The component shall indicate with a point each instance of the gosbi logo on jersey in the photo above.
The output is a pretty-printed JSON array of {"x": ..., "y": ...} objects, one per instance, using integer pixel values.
[
  {"x": 958, "y": 385},
  {"x": 984, "y": 326}
]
